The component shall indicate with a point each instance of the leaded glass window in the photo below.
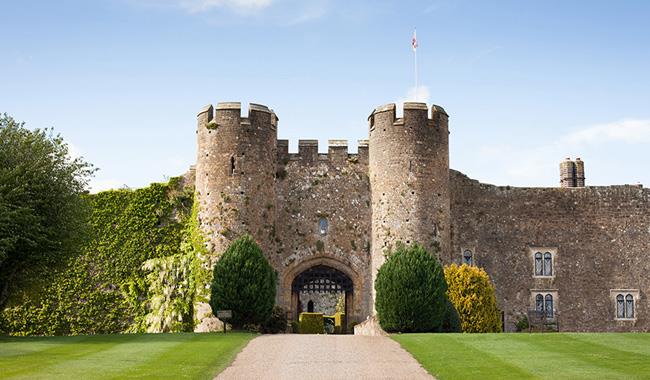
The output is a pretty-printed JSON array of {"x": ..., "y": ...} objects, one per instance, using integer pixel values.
[
  {"x": 539, "y": 271},
  {"x": 549, "y": 306},
  {"x": 620, "y": 306},
  {"x": 548, "y": 264},
  {"x": 468, "y": 257},
  {"x": 539, "y": 303},
  {"x": 629, "y": 306}
]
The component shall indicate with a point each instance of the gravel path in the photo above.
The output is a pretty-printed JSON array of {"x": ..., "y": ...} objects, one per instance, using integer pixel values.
[{"x": 293, "y": 356}]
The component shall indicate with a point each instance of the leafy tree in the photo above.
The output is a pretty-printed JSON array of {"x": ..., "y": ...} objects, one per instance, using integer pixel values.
[
  {"x": 473, "y": 295},
  {"x": 41, "y": 208},
  {"x": 410, "y": 290},
  {"x": 245, "y": 283}
]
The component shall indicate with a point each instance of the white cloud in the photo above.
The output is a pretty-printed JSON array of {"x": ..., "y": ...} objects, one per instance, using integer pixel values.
[
  {"x": 420, "y": 94},
  {"x": 281, "y": 12},
  {"x": 629, "y": 131},
  {"x": 312, "y": 11},
  {"x": 525, "y": 164},
  {"x": 198, "y": 6},
  {"x": 439, "y": 5},
  {"x": 201, "y": 6}
]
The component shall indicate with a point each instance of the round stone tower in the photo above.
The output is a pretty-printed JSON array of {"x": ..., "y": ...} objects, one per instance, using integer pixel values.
[
  {"x": 235, "y": 173},
  {"x": 409, "y": 179}
]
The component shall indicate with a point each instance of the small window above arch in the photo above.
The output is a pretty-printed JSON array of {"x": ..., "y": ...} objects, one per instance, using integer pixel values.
[{"x": 323, "y": 226}]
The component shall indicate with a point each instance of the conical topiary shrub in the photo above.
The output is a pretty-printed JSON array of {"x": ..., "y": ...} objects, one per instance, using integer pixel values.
[
  {"x": 245, "y": 283},
  {"x": 410, "y": 291}
]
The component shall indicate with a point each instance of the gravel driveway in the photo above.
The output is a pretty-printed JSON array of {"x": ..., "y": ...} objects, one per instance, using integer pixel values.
[{"x": 293, "y": 356}]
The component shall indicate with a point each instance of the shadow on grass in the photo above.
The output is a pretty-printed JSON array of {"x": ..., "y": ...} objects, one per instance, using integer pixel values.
[{"x": 117, "y": 338}]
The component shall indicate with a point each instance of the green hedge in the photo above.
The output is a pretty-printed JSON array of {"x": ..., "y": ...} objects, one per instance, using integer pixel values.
[
  {"x": 102, "y": 286},
  {"x": 311, "y": 323}
]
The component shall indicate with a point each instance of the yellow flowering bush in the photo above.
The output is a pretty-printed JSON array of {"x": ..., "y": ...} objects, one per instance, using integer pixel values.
[{"x": 472, "y": 293}]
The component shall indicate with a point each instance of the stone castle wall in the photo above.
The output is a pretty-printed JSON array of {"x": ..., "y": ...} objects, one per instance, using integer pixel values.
[
  {"x": 333, "y": 187},
  {"x": 398, "y": 187},
  {"x": 600, "y": 237}
]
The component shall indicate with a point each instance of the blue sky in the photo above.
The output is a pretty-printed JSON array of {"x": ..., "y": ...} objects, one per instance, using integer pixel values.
[{"x": 525, "y": 83}]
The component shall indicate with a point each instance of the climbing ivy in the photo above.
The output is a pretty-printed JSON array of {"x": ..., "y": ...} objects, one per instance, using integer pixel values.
[{"x": 133, "y": 273}]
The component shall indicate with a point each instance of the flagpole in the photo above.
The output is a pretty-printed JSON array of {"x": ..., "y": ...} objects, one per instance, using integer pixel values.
[
  {"x": 414, "y": 43},
  {"x": 415, "y": 64}
]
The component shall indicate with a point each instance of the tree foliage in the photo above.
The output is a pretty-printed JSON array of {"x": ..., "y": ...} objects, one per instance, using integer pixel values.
[
  {"x": 244, "y": 282},
  {"x": 410, "y": 289},
  {"x": 42, "y": 212},
  {"x": 102, "y": 288},
  {"x": 473, "y": 295}
]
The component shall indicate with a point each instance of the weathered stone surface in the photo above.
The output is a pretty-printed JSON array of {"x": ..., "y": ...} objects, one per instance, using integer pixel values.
[
  {"x": 333, "y": 187},
  {"x": 601, "y": 235},
  {"x": 398, "y": 187}
]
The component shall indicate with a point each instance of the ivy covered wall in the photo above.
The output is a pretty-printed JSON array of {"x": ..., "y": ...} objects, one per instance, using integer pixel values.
[{"x": 134, "y": 272}]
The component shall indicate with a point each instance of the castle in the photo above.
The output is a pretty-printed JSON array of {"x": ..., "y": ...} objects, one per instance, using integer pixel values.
[{"x": 576, "y": 254}]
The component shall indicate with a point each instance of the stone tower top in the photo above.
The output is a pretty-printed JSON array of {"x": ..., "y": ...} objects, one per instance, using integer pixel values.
[
  {"x": 572, "y": 173},
  {"x": 410, "y": 109},
  {"x": 233, "y": 110}
]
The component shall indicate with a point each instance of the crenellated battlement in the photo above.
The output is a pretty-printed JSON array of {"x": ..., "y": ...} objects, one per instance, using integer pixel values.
[
  {"x": 415, "y": 110},
  {"x": 233, "y": 110},
  {"x": 337, "y": 152}
]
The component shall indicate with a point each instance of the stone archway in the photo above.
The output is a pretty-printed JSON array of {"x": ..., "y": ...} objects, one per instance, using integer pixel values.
[
  {"x": 324, "y": 274},
  {"x": 324, "y": 289}
]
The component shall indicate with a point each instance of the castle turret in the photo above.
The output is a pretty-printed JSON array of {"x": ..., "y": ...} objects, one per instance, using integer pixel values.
[
  {"x": 235, "y": 173},
  {"x": 409, "y": 179}
]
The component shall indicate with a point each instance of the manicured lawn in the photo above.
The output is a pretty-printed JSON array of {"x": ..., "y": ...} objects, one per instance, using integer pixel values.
[
  {"x": 528, "y": 356},
  {"x": 194, "y": 356}
]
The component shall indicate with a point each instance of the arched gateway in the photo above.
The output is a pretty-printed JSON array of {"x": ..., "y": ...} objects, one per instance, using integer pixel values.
[
  {"x": 326, "y": 281},
  {"x": 322, "y": 289}
]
